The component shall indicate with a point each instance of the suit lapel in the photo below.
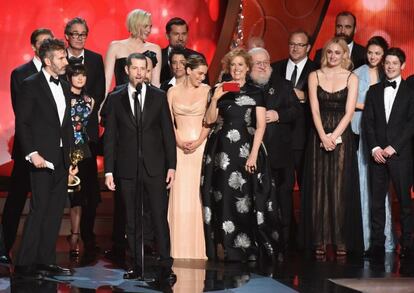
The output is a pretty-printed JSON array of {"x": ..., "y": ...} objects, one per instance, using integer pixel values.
[
  {"x": 381, "y": 103},
  {"x": 283, "y": 69},
  {"x": 397, "y": 100},
  {"x": 302, "y": 79},
  {"x": 49, "y": 96},
  {"x": 147, "y": 103},
  {"x": 66, "y": 92},
  {"x": 127, "y": 106}
]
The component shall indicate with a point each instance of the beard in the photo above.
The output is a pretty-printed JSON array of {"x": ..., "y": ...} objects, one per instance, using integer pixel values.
[
  {"x": 348, "y": 39},
  {"x": 261, "y": 78}
]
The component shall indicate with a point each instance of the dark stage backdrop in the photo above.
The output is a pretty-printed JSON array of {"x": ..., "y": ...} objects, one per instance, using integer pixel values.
[{"x": 270, "y": 19}]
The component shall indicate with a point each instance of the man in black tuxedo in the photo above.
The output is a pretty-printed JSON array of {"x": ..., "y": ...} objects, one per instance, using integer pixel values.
[
  {"x": 388, "y": 123},
  {"x": 20, "y": 176},
  {"x": 176, "y": 31},
  {"x": 137, "y": 155},
  {"x": 345, "y": 26},
  {"x": 282, "y": 109},
  {"x": 76, "y": 33},
  {"x": 44, "y": 129},
  {"x": 296, "y": 69}
]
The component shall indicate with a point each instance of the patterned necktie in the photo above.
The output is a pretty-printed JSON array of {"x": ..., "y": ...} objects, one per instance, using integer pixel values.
[{"x": 293, "y": 76}]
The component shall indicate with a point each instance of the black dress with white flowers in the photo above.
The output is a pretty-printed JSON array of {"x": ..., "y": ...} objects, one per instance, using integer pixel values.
[{"x": 240, "y": 210}]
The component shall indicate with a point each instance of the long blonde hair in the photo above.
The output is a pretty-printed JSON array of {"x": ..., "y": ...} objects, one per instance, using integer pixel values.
[{"x": 346, "y": 61}]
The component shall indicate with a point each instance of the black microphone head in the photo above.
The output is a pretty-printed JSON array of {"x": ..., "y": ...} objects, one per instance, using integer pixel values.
[{"x": 138, "y": 88}]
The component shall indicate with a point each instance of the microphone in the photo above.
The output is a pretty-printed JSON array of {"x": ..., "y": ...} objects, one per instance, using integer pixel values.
[{"x": 138, "y": 88}]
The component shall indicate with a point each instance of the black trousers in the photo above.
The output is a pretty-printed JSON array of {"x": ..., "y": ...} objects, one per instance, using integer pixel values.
[
  {"x": 155, "y": 195},
  {"x": 41, "y": 229},
  {"x": 16, "y": 199},
  {"x": 400, "y": 173},
  {"x": 285, "y": 179},
  {"x": 88, "y": 173}
]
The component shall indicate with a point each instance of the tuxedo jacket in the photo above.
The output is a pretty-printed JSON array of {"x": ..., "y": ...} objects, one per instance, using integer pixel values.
[
  {"x": 121, "y": 142},
  {"x": 304, "y": 120},
  {"x": 279, "y": 96},
  {"x": 95, "y": 87},
  {"x": 38, "y": 126},
  {"x": 358, "y": 56},
  {"x": 16, "y": 79},
  {"x": 399, "y": 130},
  {"x": 166, "y": 73}
]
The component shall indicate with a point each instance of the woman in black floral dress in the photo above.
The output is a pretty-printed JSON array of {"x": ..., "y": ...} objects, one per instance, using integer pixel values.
[
  {"x": 81, "y": 108},
  {"x": 239, "y": 209}
]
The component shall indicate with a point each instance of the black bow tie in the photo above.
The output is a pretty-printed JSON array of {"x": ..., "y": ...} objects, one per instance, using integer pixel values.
[
  {"x": 75, "y": 60},
  {"x": 54, "y": 80},
  {"x": 392, "y": 84}
]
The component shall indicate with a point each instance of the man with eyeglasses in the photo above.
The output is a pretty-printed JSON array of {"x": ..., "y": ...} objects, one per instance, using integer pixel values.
[
  {"x": 20, "y": 177},
  {"x": 76, "y": 33},
  {"x": 296, "y": 69},
  {"x": 282, "y": 109},
  {"x": 345, "y": 26}
]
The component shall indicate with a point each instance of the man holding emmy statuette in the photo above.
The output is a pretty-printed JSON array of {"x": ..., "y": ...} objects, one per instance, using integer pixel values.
[
  {"x": 44, "y": 128},
  {"x": 140, "y": 153}
]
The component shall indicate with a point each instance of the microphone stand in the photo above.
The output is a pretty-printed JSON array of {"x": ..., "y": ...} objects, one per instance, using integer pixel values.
[{"x": 140, "y": 190}]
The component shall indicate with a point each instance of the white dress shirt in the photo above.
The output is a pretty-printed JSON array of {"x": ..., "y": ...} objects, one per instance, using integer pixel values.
[
  {"x": 81, "y": 55},
  {"x": 291, "y": 66},
  {"x": 141, "y": 97},
  {"x": 36, "y": 61},
  {"x": 350, "y": 47}
]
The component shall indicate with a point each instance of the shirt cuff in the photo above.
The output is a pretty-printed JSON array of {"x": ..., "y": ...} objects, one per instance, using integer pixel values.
[
  {"x": 28, "y": 157},
  {"x": 108, "y": 174},
  {"x": 374, "y": 149}
]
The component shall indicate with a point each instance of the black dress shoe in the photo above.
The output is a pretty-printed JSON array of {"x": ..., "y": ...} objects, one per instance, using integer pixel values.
[
  {"x": 5, "y": 259},
  {"x": 54, "y": 270},
  {"x": 133, "y": 274},
  {"x": 27, "y": 272},
  {"x": 168, "y": 276}
]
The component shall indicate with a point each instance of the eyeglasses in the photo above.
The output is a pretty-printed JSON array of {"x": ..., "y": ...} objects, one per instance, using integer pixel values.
[
  {"x": 261, "y": 63},
  {"x": 302, "y": 45},
  {"x": 77, "y": 35}
]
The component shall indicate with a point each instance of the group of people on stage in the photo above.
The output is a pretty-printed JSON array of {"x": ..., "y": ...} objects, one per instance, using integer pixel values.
[{"x": 208, "y": 172}]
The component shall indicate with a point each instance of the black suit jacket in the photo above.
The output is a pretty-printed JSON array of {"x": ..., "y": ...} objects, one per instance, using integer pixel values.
[
  {"x": 279, "y": 96},
  {"x": 37, "y": 121},
  {"x": 399, "y": 130},
  {"x": 95, "y": 87},
  {"x": 358, "y": 56},
  {"x": 17, "y": 76},
  {"x": 120, "y": 140},
  {"x": 304, "y": 120},
  {"x": 166, "y": 73}
]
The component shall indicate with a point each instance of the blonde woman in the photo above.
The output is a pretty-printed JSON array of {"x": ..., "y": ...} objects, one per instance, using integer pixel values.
[{"x": 331, "y": 210}]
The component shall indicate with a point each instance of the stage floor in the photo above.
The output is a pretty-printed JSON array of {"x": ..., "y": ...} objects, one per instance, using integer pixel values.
[{"x": 295, "y": 274}]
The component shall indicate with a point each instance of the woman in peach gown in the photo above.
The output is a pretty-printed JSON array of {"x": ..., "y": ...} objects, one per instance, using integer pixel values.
[{"x": 188, "y": 104}]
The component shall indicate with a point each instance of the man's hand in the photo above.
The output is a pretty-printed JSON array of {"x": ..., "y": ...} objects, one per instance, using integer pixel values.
[
  {"x": 109, "y": 182},
  {"x": 300, "y": 94},
  {"x": 38, "y": 161},
  {"x": 388, "y": 152},
  {"x": 378, "y": 156},
  {"x": 271, "y": 116},
  {"x": 170, "y": 178}
]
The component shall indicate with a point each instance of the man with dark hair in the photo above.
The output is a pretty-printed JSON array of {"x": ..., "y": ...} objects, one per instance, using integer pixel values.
[
  {"x": 282, "y": 110},
  {"x": 44, "y": 129},
  {"x": 20, "y": 176},
  {"x": 176, "y": 31},
  {"x": 140, "y": 153},
  {"x": 345, "y": 26},
  {"x": 177, "y": 60},
  {"x": 388, "y": 124},
  {"x": 76, "y": 33}
]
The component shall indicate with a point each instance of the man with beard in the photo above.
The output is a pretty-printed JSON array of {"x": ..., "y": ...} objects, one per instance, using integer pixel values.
[
  {"x": 44, "y": 129},
  {"x": 283, "y": 108},
  {"x": 176, "y": 31},
  {"x": 20, "y": 176},
  {"x": 345, "y": 26}
]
